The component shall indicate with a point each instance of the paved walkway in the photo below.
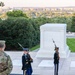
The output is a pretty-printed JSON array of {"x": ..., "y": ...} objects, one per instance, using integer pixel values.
[
  {"x": 70, "y": 35},
  {"x": 66, "y": 66},
  {"x": 16, "y": 74}
]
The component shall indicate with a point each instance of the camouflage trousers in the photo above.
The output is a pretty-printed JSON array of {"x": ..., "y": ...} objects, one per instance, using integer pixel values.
[
  {"x": 3, "y": 74},
  {"x": 3, "y": 67}
]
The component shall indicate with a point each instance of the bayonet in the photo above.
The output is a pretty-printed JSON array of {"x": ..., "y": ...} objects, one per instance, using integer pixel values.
[{"x": 21, "y": 46}]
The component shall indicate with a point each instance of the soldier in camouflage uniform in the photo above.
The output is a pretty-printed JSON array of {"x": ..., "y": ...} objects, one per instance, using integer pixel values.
[{"x": 5, "y": 60}]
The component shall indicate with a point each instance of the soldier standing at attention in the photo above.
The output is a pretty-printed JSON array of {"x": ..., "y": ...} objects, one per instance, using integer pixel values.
[
  {"x": 26, "y": 62},
  {"x": 56, "y": 61},
  {"x": 5, "y": 60}
]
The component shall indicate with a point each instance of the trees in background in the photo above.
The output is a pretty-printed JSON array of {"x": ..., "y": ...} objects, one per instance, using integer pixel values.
[
  {"x": 14, "y": 30},
  {"x": 73, "y": 23},
  {"x": 25, "y": 31},
  {"x": 16, "y": 13}
]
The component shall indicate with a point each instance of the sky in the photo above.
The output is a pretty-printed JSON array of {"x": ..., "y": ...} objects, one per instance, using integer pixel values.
[{"x": 38, "y": 3}]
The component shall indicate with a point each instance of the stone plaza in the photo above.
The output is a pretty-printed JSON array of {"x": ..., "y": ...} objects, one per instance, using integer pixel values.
[
  {"x": 66, "y": 66},
  {"x": 43, "y": 57}
]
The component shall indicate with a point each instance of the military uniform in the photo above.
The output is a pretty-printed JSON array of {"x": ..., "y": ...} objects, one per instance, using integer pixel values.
[
  {"x": 26, "y": 64},
  {"x": 5, "y": 62},
  {"x": 56, "y": 62}
]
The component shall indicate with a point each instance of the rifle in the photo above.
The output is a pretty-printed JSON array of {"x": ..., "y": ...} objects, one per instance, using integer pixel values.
[
  {"x": 54, "y": 43},
  {"x": 20, "y": 45},
  {"x": 56, "y": 48}
]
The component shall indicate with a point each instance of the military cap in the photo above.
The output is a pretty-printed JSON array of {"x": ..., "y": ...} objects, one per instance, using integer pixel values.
[
  {"x": 56, "y": 48},
  {"x": 2, "y": 43},
  {"x": 25, "y": 49}
]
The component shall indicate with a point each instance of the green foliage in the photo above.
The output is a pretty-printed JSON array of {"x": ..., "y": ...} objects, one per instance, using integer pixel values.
[
  {"x": 16, "y": 13},
  {"x": 35, "y": 47},
  {"x": 71, "y": 44},
  {"x": 65, "y": 20},
  {"x": 69, "y": 23},
  {"x": 21, "y": 30},
  {"x": 25, "y": 31},
  {"x": 73, "y": 23},
  {"x": 59, "y": 20}
]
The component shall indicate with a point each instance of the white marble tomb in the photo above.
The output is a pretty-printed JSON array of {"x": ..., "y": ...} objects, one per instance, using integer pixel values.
[{"x": 57, "y": 32}]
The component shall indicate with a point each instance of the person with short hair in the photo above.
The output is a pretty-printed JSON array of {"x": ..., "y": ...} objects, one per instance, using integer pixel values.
[
  {"x": 5, "y": 60},
  {"x": 56, "y": 61},
  {"x": 26, "y": 62}
]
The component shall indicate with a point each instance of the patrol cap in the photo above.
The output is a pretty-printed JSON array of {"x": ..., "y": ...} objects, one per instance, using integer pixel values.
[
  {"x": 2, "y": 43},
  {"x": 25, "y": 49}
]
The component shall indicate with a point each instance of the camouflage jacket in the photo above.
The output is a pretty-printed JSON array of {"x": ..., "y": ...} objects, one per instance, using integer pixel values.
[{"x": 5, "y": 64}]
